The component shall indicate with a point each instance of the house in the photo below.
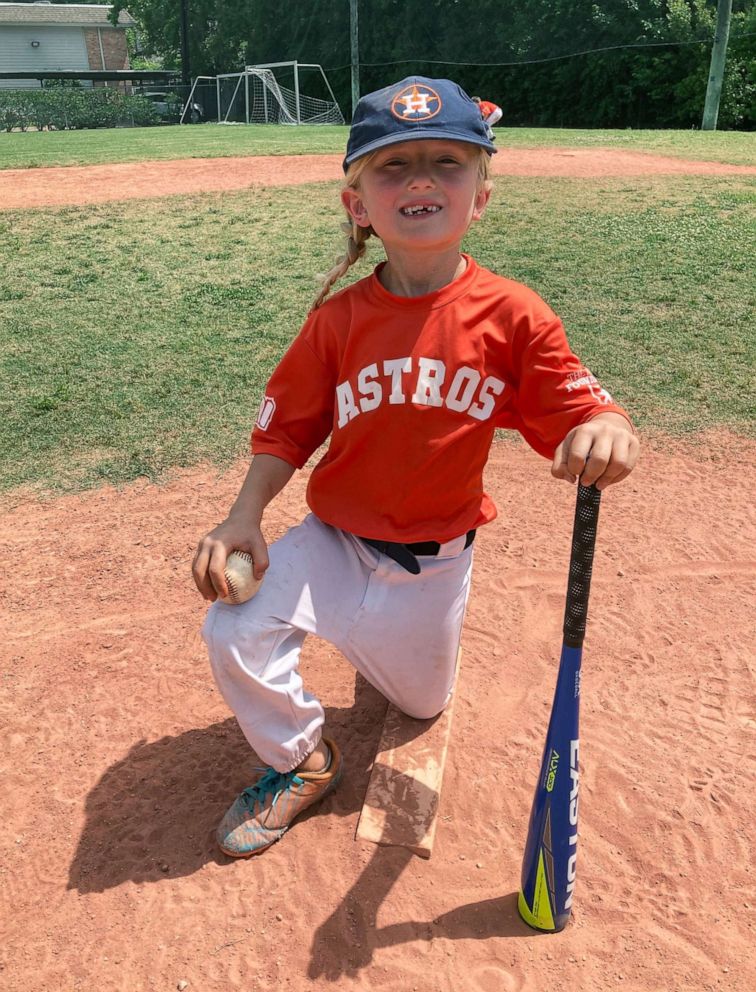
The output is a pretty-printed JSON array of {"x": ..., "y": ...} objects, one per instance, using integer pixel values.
[{"x": 45, "y": 37}]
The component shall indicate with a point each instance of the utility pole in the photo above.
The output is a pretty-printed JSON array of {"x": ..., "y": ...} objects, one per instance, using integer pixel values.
[
  {"x": 717, "y": 67},
  {"x": 186, "y": 77},
  {"x": 355, "y": 49}
]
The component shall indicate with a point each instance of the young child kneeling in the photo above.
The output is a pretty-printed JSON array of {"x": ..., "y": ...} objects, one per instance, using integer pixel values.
[{"x": 408, "y": 372}]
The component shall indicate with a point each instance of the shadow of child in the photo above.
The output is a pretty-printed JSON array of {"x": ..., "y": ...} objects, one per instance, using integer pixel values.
[{"x": 154, "y": 813}]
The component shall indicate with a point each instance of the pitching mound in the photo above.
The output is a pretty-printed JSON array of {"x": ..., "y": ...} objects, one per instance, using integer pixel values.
[{"x": 120, "y": 757}]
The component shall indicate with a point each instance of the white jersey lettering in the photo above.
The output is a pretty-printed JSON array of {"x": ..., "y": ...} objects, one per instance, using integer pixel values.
[
  {"x": 464, "y": 395},
  {"x": 371, "y": 392},
  {"x": 589, "y": 380},
  {"x": 486, "y": 403},
  {"x": 348, "y": 409},
  {"x": 584, "y": 380},
  {"x": 395, "y": 367},
  {"x": 430, "y": 378},
  {"x": 462, "y": 389}
]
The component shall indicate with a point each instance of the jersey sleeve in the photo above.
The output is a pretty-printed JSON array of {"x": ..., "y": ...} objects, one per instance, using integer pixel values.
[
  {"x": 554, "y": 391},
  {"x": 296, "y": 413}
]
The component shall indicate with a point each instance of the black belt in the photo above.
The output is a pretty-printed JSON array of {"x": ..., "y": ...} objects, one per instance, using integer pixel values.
[{"x": 405, "y": 554}]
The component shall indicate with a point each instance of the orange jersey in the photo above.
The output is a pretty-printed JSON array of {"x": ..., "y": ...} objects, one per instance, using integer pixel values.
[
  {"x": 487, "y": 108},
  {"x": 410, "y": 390}
]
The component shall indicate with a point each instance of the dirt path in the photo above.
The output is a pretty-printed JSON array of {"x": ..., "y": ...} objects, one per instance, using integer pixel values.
[
  {"x": 21, "y": 188},
  {"x": 119, "y": 757}
]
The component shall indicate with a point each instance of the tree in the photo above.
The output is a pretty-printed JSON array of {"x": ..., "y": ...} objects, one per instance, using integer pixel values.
[
  {"x": 645, "y": 61},
  {"x": 217, "y": 35}
]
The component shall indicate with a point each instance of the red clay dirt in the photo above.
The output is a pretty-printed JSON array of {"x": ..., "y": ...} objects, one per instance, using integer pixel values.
[
  {"x": 119, "y": 756},
  {"x": 72, "y": 185}
]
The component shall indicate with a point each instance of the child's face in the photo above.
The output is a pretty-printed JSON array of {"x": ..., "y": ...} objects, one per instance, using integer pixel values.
[{"x": 419, "y": 195}]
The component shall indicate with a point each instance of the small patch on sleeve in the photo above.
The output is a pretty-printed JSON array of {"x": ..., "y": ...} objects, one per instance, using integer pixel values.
[
  {"x": 585, "y": 379},
  {"x": 265, "y": 415}
]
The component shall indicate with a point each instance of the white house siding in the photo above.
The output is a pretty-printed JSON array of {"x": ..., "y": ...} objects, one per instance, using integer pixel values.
[{"x": 60, "y": 47}]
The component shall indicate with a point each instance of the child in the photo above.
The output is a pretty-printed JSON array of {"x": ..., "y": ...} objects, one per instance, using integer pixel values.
[
  {"x": 409, "y": 371},
  {"x": 490, "y": 113}
]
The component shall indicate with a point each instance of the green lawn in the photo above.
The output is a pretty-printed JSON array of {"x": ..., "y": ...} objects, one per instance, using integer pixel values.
[
  {"x": 42, "y": 148},
  {"x": 732, "y": 147},
  {"x": 130, "y": 331}
]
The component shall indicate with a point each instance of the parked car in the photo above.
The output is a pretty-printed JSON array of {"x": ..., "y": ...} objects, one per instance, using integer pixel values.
[{"x": 170, "y": 107}]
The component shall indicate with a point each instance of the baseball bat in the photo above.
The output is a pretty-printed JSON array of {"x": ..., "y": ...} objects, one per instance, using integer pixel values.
[{"x": 548, "y": 865}]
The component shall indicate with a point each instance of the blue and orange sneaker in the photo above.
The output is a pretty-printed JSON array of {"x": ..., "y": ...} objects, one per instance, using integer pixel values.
[{"x": 264, "y": 812}]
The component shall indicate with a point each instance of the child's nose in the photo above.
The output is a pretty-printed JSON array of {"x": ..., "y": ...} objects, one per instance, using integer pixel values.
[{"x": 421, "y": 177}]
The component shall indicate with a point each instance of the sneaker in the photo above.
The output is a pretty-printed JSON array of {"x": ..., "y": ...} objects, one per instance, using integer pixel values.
[{"x": 264, "y": 812}]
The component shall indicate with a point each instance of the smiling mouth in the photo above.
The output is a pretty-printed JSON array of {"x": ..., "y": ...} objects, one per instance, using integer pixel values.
[{"x": 420, "y": 209}]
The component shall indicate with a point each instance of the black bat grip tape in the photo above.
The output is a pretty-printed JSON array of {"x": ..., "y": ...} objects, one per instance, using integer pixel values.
[{"x": 581, "y": 564}]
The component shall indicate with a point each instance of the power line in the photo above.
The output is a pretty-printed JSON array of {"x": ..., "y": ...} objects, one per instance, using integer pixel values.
[{"x": 550, "y": 58}]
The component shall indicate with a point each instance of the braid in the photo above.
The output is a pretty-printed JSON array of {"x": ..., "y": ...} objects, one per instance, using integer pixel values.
[
  {"x": 355, "y": 248},
  {"x": 356, "y": 235}
]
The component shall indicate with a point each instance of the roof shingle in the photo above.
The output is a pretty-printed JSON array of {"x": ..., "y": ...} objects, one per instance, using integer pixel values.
[{"x": 77, "y": 15}]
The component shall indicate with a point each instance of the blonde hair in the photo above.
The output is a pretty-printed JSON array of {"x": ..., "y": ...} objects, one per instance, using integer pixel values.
[{"x": 357, "y": 236}]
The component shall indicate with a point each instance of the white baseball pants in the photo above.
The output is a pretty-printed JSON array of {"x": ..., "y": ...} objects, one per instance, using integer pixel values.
[{"x": 400, "y": 631}]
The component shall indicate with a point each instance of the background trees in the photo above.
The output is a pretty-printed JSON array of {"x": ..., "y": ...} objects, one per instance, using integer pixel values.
[{"x": 646, "y": 61}]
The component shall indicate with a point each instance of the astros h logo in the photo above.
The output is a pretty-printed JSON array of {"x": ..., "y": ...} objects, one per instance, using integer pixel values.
[{"x": 416, "y": 103}]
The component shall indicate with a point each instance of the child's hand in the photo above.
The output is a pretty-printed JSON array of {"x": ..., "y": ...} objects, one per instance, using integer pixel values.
[
  {"x": 240, "y": 531},
  {"x": 604, "y": 451},
  {"x": 234, "y": 534}
]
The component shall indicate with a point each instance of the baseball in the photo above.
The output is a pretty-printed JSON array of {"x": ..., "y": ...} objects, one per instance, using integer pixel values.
[{"x": 241, "y": 581}]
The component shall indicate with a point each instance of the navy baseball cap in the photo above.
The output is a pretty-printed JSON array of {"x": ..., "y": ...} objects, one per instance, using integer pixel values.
[{"x": 412, "y": 109}]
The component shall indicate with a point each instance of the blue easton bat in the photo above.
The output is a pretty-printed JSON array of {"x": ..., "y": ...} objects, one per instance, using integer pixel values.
[{"x": 548, "y": 866}]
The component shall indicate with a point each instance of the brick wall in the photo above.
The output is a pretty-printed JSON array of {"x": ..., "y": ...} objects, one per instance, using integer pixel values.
[
  {"x": 93, "y": 48},
  {"x": 113, "y": 47}
]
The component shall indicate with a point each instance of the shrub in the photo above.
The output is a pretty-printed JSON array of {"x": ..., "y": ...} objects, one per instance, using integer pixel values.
[{"x": 71, "y": 107}]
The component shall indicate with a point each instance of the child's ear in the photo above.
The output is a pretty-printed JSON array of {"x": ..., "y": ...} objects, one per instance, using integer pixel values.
[
  {"x": 355, "y": 207},
  {"x": 481, "y": 202}
]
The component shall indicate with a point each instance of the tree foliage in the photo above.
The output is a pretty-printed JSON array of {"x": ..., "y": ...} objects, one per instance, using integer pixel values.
[{"x": 613, "y": 63}]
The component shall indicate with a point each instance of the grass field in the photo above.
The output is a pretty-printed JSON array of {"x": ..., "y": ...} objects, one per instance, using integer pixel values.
[
  {"x": 42, "y": 148},
  {"x": 137, "y": 336}
]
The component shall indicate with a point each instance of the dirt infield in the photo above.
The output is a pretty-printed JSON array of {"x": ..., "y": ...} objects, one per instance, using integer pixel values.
[
  {"x": 20, "y": 188},
  {"x": 119, "y": 756}
]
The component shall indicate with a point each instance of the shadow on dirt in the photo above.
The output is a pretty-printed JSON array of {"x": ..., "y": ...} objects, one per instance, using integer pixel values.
[
  {"x": 152, "y": 815},
  {"x": 332, "y": 957}
]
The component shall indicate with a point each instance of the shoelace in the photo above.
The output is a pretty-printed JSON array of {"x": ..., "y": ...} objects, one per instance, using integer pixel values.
[{"x": 272, "y": 784}]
